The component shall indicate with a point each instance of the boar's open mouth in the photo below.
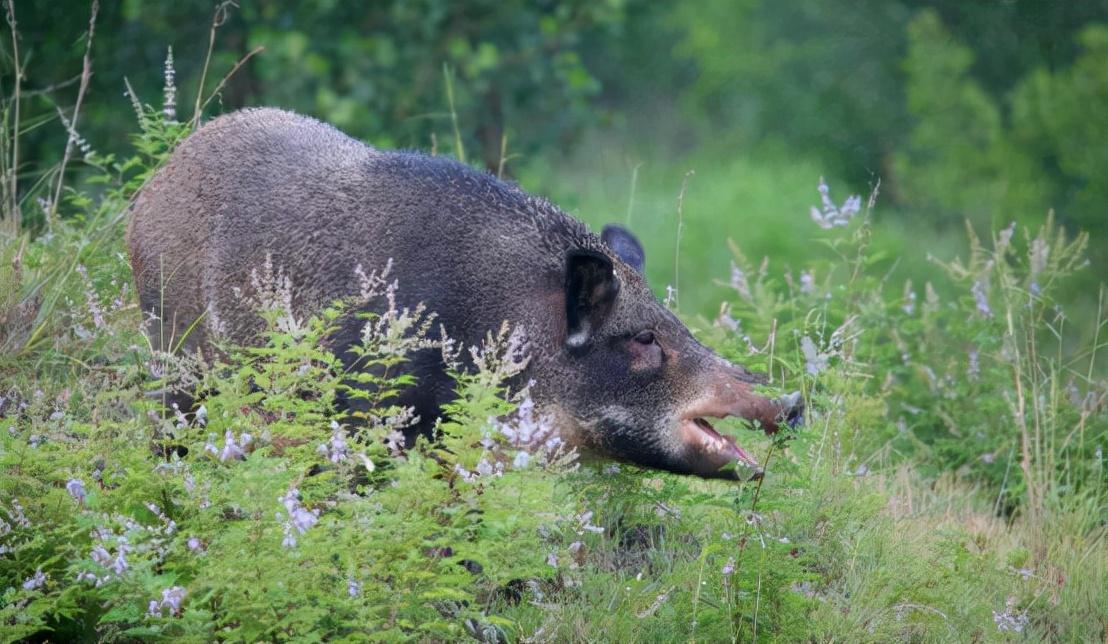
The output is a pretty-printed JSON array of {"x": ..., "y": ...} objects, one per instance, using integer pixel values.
[
  {"x": 712, "y": 451},
  {"x": 711, "y": 454}
]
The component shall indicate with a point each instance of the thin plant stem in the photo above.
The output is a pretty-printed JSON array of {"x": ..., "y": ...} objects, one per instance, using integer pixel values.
[
  {"x": 677, "y": 243},
  {"x": 631, "y": 197},
  {"x": 71, "y": 139},
  {"x": 753, "y": 511},
  {"x": 13, "y": 176},
  {"x": 223, "y": 81},
  {"x": 218, "y": 18},
  {"x": 503, "y": 151},
  {"x": 459, "y": 146}
]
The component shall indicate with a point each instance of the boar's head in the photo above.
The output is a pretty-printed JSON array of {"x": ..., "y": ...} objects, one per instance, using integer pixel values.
[{"x": 634, "y": 382}]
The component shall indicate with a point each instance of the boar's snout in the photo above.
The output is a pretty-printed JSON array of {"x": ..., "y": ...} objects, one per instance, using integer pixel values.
[{"x": 730, "y": 392}]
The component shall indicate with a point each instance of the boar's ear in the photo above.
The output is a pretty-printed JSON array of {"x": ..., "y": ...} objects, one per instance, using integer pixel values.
[
  {"x": 591, "y": 289},
  {"x": 625, "y": 245}
]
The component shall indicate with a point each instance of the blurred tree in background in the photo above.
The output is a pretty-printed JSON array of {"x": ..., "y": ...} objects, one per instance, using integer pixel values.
[
  {"x": 374, "y": 69},
  {"x": 962, "y": 109},
  {"x": 989, "y": 110}
]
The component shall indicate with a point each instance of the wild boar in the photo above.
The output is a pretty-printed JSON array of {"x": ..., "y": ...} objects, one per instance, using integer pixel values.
[{"x": 616, "y": 370}]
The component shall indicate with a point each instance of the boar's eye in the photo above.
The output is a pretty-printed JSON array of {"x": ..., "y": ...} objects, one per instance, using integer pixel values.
[{"x": 646, "y": 353}]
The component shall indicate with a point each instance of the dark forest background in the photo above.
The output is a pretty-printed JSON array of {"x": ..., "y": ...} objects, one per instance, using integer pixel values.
[{"x": 988, "y": 111}]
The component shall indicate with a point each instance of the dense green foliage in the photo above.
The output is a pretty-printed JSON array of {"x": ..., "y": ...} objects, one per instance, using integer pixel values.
[
  {"x": 949, "y": 483},
  {"x": 1005, "y": 97}
]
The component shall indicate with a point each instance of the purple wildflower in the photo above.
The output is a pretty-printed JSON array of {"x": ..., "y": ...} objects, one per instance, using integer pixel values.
[
  {"x": 300, "y": 518},
  {"x": 232, "y": 449},
  {"x": 981, "y": 298},
  {"x": 335, "y": 449},
  {"x": 35, "y": 581},
  {"x": 100, "y": 555},
  {"x": 729, "y": 567},
  {"x": 76, "y": 489},
  {"x": 974, "y": 369},
  {"x": 828, "y": 215},
  {"x": 172, "y": 598},
  {"x": 18, "y": 515},
  {"x": 531, "y": 433}
]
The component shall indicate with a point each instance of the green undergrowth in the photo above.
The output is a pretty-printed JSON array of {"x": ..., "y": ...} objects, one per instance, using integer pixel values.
[{"x": 948, "y": 484}]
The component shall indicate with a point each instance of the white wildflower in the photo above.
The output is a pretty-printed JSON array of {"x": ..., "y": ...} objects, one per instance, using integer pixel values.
[
  {"x": 814, "y": 361},
  {"x": 273, "y": 294},
  {"x": 1010, "y": 619},
  {"x": 671, "y": 297},
  {"x": 1004, "y": 238},
  {"x": 724, "y": 319},
  {"x": 807, "y": 283},
  {"x": 232, "y": 448},
  {"x": 335, "y": 448},
  {"x": 92, "y": 299},
  {"x": 740, "y": 283},
  {"x": 169, "y": 101},
  {"x": 585, "y": 524}
]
